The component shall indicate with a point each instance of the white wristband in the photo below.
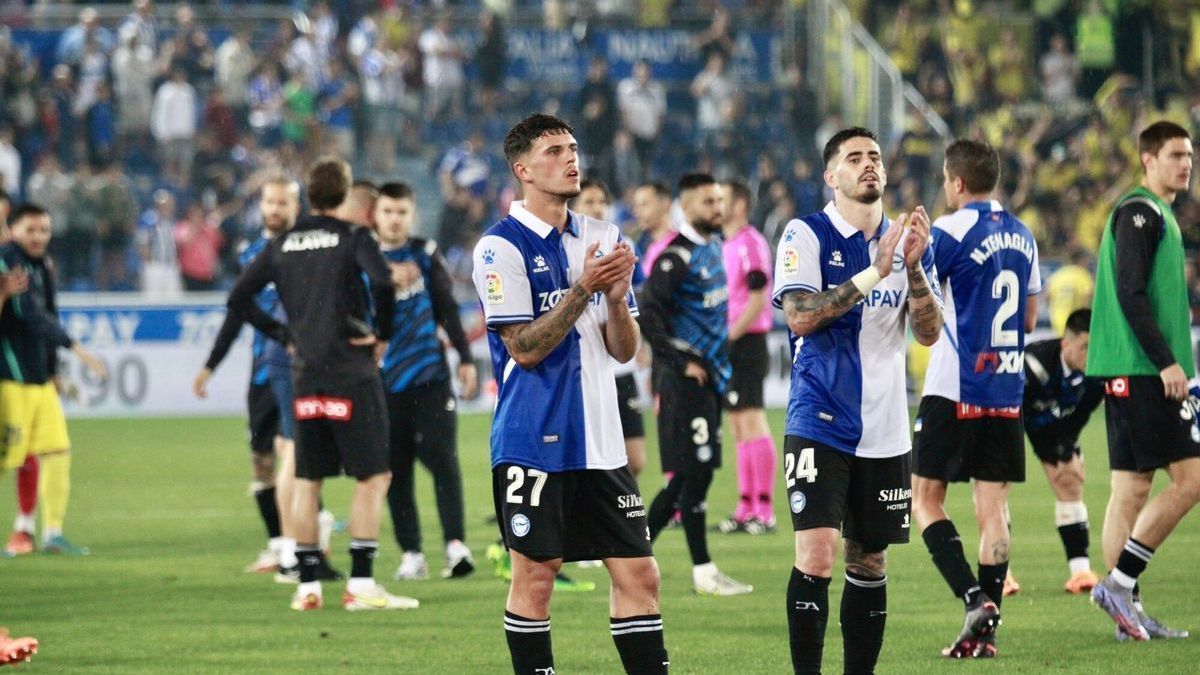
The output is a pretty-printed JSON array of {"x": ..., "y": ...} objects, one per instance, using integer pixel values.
[{"x": 865, "y": 280}]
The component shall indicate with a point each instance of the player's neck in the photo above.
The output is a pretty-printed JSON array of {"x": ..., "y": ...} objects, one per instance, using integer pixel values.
[
  {"x": 971, "y": 199},
  {"x": 551, "y": 209},
  {"x": 730, "y": 230},
  {"x": 1160, "y": 191},
  {"x": 863, "y": 217}
]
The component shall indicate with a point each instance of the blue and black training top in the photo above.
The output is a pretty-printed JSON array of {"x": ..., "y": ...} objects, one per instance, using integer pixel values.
[{"x": 414, "y": 356}]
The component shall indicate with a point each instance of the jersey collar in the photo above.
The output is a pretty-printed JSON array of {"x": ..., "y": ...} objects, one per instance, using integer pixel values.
[
  {"x": 687, "y": 230},
  {"x": 989, "y": 205},
  {"x": 846, "y": 229},
  {"x": 540, "y": 227}
]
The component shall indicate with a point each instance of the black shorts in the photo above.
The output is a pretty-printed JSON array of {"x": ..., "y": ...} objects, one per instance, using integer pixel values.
[
  {"x": 748, "y": 356},
  {"x": 573, "y": 515},
  {"x": 867, "y": 498},
  {"x": 689, "y": 424},
  {"x": 976, "y": 446},
  {"x": 629, "y": 407},
  {"x": 341, "y": 428},
  {"x": 423, "y": 421},
  {"x": 1053, "y": 449},
  {"x": 1146, "y": 430},
  {"x": 263, "y": 413}
]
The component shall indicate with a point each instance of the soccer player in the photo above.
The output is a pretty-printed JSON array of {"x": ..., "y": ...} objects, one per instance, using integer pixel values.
[
  {"x": 652, "y": 208},
  {"x": 968, "y": 426},
  {"x": 341, "y": 414},
  {"x": 269, "y": 396},
  {"x": 748, "y": 271},
  {"x": 684, "y": 319},
  {"x": 1141, "y": 342},
  {"x": 421, "y": 405},
  {"x": 26, "y": 476},
  {"x": 593, "y": 201},
  {"x": 1057, "y": 404},
  {"x": 30, "y": 410},
  {"x": 555, "y": 291},
  {"x": 359, "y": 207},
  {"x": 846, "y": 285}
]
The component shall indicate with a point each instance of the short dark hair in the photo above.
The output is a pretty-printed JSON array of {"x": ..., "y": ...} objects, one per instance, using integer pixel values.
[
  {"x": 27, "y": 209},
  {"x": 328, "y": 183},
  {"x": 976, "y": 162},
  {"x": 834, "y": 145},
  {"x": 691, "y": 181},
  {"x": 396, "y": 190},
  {"x": 658, "y": 187},
  {"x": 519, "y": 139},
  {"x": 740, "y": 192},
  {"x": 1079, "y": 321},
  {"x": 595, "y": 183},
  {"x": 1155, "y": 136}
]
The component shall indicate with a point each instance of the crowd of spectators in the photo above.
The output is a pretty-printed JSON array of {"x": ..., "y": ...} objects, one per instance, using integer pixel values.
[{"x": 147, "y": 136}]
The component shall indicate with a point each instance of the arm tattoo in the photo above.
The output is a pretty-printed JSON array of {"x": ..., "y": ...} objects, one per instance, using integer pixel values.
[
  {"x": 809, "y": 312},
  {"x": 532, "y": 342},
  {"x": 924, "y": 314}
]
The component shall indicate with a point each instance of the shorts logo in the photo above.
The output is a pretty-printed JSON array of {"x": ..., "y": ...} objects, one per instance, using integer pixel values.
[
  {"x": 704, "y": 453},
  {"x": 791, "y": 260},
  {"x": 1185, "y": 411},
  {"x": 733, "y": 398},
  {"x": 1118, "y": 387},
  {"x": 1195, "y": 434},
  {"x": 451, "y": 405},
  {"x": 495, "y": 288},
  {"x": 904, "y": 525},
  {"x": 520, "y": 524},
  {"x": 797, "y": 501},
  {"x": 324, "y": 407},
  {"x": 917, "y": 425}
]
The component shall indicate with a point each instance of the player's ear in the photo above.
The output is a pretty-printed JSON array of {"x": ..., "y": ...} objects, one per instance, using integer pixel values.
[{"x": 829, "y": 177}]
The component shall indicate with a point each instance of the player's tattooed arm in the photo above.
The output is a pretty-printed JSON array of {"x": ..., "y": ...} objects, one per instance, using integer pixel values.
[
  {"x": 809, "y": 312},
  {"x": 529, "y": 343},
  {"x": 924, "y": 314}
]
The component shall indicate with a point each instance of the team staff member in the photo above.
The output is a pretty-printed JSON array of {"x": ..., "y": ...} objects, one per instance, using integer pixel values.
[
  {"x": 555, "y": 290},
  {"x": 421, "y": 405},
  {"x": 1141, "y": 342},
  {"x": 846, "y": 285},
  {"x": 341, "y": 415},
  {"x": 30, "y": 409}
]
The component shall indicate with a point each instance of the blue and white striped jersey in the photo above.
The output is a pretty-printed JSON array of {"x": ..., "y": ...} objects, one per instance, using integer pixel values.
[
  {"x": 848, "y": 379},
  {"x": 560, "y": 415}
]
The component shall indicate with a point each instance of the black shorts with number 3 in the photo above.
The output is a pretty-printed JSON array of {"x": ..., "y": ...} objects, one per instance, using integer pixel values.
[
  {"x": 589, "y": 514},
  {"x": 867, "y": 498},
  {"x": 689, "y": 424}
]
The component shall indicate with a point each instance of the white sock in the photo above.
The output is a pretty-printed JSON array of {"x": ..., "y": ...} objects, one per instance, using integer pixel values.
[
  {"x": 360, "y": 584},
  {"x": 1078, "y": 565},
  {"x": 274, "y": 544},
  {"x": 309, "y": 587},
  {"x": 708, "y": 569},
  {"x": 1123, "y": 579},
  {"x": 51, "y": 532},
  {"x": 287, "y": 552},
  {"x": 25, "y": 523}
]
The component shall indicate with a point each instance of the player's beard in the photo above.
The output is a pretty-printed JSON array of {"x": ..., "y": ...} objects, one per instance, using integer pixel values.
[
  {"x": 275, "y": 224},
  {"x": 706, "y": 227}
]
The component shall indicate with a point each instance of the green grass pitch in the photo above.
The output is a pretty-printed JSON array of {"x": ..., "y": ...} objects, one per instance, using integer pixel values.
[{"x": 163, "y": 505}]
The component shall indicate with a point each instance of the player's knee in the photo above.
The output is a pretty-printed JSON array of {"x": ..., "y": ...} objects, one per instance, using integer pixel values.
[
  {"x": 264, "y": 469},
  {"x": 816, "y": 551},
  {"x": 864, "y": 562},
  {"x": 1188, "y": 489}
]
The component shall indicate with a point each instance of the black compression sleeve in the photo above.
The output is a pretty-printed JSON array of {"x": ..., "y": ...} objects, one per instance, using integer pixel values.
[
  {"x": 230, "y": 327},
  {"x": 756, "y": 280},
  {"x": 1138, "y": 230},
  {"x": 657, "y": 306},
  {"x": 445, "y": 309}
]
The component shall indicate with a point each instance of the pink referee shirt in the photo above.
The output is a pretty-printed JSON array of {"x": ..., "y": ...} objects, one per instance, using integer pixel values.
[{"x": 746, "y": 252}]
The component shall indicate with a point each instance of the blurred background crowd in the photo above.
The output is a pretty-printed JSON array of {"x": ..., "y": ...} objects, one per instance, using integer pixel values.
[{"x": 146, "y": 127}]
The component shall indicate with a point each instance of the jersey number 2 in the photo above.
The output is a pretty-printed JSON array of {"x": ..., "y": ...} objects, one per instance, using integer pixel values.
[
  {"x": 799, "y": 465},
  {"x": 516, "y": 477},
  {"x": 1005, "y": 286}
]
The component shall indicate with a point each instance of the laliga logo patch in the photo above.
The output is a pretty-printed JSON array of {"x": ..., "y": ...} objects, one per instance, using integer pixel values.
[
  {"x": 704, "y": 453},
  {"x": 520, "y": 524},
  {"x": 797, "y": 501},
  {"x": 791, "y": 260},
  {"x": 495, "y": 288}
]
